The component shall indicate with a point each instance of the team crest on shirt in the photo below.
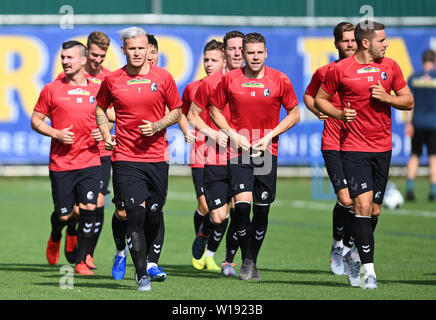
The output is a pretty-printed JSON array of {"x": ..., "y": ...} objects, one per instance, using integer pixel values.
[
  {"x": 266, "y": 92},
  {"x": 153, "y": 87},
  {"x": 252, "y": 85},
  {"x": 79, "y": 91},
  {"x": 368, "y": 70},
  {"x": 383, "y": 75},
  {"x": 138, "y": 81},
  {"x": 91, "y": 99}
]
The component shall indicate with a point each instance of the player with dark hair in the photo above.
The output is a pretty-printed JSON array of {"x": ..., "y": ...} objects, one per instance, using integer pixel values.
[
  {"x": 74, "y": 165},
  {"x": 217, "y": 186},
  {"x": 364, "y": 82},
  {"x": 254, "y": 94},
  {"x": 213, "y": 61},
  {"x": 139, "y": 93},
  {"x": 421, "y": 123},
  {"x": 340, "y": 253}
]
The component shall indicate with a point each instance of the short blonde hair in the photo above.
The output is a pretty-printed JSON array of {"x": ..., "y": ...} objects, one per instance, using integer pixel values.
[{"x": 100, "y": 39}]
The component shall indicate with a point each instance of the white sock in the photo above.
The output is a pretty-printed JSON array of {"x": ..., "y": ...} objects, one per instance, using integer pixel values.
[
  {"x": 345, "y": 251},
  {"x": 123, "y": 252},
  {"x": 337, "y": 243},
  {"x": 369, "y": 269},
  {"x": 151, "y": 265},
  {"x": 209, "y": 253}
]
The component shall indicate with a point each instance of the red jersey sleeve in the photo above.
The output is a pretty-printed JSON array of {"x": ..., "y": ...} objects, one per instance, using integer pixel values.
[
  {"x": 288, "y": 97},
  {"x": 186, "y": 100},
  {"x": 201, "y": 97},
  {"x": 314, "y": 84},
  {"x": 44, "y": 101},
  {"x": 172, "y": 96},
  {"x": 104, "y": 96},
  {"x": 331, "y": 81},
  {"x": 219, "y": 96},
  {"x": 398, "y": 82}
]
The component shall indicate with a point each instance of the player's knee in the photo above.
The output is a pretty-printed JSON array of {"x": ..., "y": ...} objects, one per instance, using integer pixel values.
[
  {"x": 100, "y": 200},
  {"x": 87, "y": 206},
  {"x": 345, "y": 201},
  {"x": 203, "y": 208},
  {"x": 65, "y": 218},
  {"x": 122, "y": 214}
]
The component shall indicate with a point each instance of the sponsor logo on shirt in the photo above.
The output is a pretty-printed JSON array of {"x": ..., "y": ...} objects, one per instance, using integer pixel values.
[
  {"x": 252, "y": 85},
  {"x": 138, "y": 81},
  {"x": 95, "y": 80},
  {"x": 79, "y": 91},
  {"x": 425, "y": 81},
  {"x": 368, "y": 70}
]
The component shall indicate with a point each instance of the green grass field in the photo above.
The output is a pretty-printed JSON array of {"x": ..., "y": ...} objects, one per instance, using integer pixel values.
[{"x": 293, "y": 262}]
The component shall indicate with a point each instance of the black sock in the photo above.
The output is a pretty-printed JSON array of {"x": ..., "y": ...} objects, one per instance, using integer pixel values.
[
  {"x": 349, "y": 233},
  {"x": 154, "y": 234},
  {"x": 119, "y": 231},
  {"x": 136, "y": 239},
  {"x": 232, "y": 242},
  {"x": 99, "y": 219},
  {"x": 374, "y": 221},
  {"x": 217, "y": 235},
  {"x": 364, "y": 239},
  {"x": 243, "y": 228},
  {"x": 56, "y": 227},
  {"x": 198, "y": 219},
  {"x": 338, "y": 221},
  {"x": 71, "y": 226},
  {"x": 206, "y": 227},
  {"x": 84, "y": 233},
  {"x": 259, "y": 226}
]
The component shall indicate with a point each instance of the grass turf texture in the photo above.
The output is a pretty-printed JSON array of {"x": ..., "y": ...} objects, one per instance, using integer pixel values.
[{"x": 293, "y": 262}]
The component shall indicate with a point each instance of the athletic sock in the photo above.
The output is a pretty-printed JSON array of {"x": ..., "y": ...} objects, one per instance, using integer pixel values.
[
  {"x": 259, "y": 226},
  {"x": 232, "y": 242},
  {"x": 119, "y": 231},
  {"x": 349, "y": 233},
  {"x": 410, "y": 183},
  {"x": 243, "y": 228},
  {"x": 364, "y": 239},
  {"x": 217, "y": 235},
  {"x": 56, "y": 227},
  {"x": 154, "y": 234},
  {"x": 339, "y": 212},
  {"x": 84, "y": 233},
  {"x": 99, "y": 219},
  {"x": 369, "y": 269},
  {"x": 136, "y": 239},
  {"x": 374, "y": 221},
  {"x": 206, "y": 227},
  {"x": 71, "y": 226},
  {"x": 432, "y": 189},
  {"x": 198, "y": 219}
]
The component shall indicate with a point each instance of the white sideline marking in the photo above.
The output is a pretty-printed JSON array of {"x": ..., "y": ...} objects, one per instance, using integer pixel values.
[{"x": 311, "y": 205}]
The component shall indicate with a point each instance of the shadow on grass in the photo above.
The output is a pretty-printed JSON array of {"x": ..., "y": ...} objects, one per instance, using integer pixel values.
[
  {"x": 28, "y": 267},
  {"x": 115, "y": 285},
  {"x": 412, "y": 282}
]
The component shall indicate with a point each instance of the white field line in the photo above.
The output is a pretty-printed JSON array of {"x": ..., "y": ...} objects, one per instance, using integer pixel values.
[{"x": 310, "y": 205}]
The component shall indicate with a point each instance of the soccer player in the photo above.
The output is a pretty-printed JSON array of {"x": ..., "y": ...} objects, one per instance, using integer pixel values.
[
  {"x": 364, "y": 82},
  {"x": 97, "y": 45},
  {"x": 74, "y": 155},
  {"x": 217, "y": 178},
  {"x": 139, "y": 93},
  {"x": 340, "y": 252},
  {"x": 254, "y": 95},
  {"x": 421, "y": 124},
  {"x": 213, "y": 61}
]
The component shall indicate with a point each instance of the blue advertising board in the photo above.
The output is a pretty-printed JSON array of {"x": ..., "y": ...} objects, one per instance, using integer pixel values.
[{"x": 29, "y": 58}]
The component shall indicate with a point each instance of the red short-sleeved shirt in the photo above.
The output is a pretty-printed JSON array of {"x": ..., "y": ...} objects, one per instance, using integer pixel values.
[
  {"x": 98, "y": 78},
  {"x": 371, "y": 130},
  {"x": 136, "y": 98},
  {"x": 254, "y": 104},
  {"x": 197, "y": 157},
  {"x": 215, "y": 155},
  {"x": 332, "y": 126},
  {"x": 68, "y": 105}
]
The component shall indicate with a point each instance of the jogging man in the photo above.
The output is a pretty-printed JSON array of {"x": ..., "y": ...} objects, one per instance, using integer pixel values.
[
  {"x": 340, "y": 252},
  {"x": 364, "y": 82},
  {"x": 74, "y": 155},
  {"x": 139, "y": 93},
  {"x": 254, "y": 95},
  {"x": 217, "y": 178}
]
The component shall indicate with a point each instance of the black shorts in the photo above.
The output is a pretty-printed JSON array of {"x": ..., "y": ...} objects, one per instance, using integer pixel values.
[
  {"x": 136, "y": 182},
  {"x": 105, "y": 174},
  {"x": 367, "y": 171},
  {"x": 217, "y": 186},
  {"x": 260, "y": 178},
  {"x": 335, "y": 169},
  {"x": 421, "y": 137},
  {"x": 198, "y": 180},
  {"x": 73, "y": 187}
]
